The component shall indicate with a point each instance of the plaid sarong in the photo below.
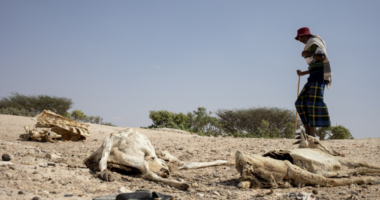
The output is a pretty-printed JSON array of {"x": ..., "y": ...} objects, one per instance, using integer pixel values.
[{"x": 310, "y": 106}]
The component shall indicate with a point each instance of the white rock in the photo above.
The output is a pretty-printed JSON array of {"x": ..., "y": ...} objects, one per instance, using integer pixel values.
[
  {"x": 200, "y": 194},
  {"x": 5, "y": 163},
  {"x": 121, "y": 190}
]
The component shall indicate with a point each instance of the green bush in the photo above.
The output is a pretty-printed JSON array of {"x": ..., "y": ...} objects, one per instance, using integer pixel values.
[
  {"x": 78, "y": 115},
  {"x": 334, "y": 132},
  {"x": 199, "y": 121},
  {"x": 17, "y": 111},
  {"x": 38, "y": 103},
  {"x": 258, "y": 122}
]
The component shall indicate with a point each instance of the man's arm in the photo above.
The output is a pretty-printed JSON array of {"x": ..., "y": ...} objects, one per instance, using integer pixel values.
[
  {"x": 315, "y": 56},
  {"x": 319, "y": 57},
  {"x": 301, "y": 73}
]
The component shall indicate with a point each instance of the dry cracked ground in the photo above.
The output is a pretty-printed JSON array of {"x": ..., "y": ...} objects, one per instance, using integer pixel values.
[{"x": 37, "y": 172}]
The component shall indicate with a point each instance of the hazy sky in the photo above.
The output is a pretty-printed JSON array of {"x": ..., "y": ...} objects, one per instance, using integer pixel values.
[{"x": 121, "y": 59}]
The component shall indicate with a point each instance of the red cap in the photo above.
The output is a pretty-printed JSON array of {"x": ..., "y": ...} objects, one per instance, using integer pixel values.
[{"x": 303, "y": 31}]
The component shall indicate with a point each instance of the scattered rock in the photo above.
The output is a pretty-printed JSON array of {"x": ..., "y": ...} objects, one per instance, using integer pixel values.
[
  {"x": 122, "y": 190},
  {"x": 200, "y": 194},
  {"x": 42, "y": 165},
  {"x": 315, "y": 191},
  {"x": 21, "y": 192},
  {"x": 51, "y": 164},
  {"x": 71, "y": 166},
  {"x": 68, "y": 195},
  {"x": 35, "y": 172},
  {"x": 36, "y": 198},
  {"x": 181, "y": 148},
  {"x": 6, "y": 157},
  {"x": 5, "y": 163},
  {"x": 52, "y": 156}
]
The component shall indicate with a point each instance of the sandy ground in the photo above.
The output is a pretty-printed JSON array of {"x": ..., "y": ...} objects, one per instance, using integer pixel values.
[{"x": 31, "y": 176}]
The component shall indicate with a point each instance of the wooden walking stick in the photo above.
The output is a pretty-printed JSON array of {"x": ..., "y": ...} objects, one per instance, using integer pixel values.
[{"x": 298, "y": 91}]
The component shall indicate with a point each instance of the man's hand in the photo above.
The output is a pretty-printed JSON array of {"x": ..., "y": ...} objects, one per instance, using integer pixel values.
[
  {"x": 301, "y": 73},
  {"x": 306, "y": 54}
]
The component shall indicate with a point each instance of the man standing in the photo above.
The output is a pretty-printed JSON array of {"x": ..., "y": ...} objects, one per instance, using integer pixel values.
[{"x": 310, "y": 105}]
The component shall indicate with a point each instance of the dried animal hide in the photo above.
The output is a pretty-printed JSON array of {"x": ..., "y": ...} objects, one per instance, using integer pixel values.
[
  {"x": 257, "y": 171},
  {"x": 53, "y": 126}
]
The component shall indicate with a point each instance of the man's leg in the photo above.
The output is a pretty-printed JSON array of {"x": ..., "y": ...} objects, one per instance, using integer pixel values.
[
  {"x": 318, "y": 113},
  {"x": 301, "y": 106},
  {"x": 307, "y": 127},
  {"x": 311, "y": 131}
]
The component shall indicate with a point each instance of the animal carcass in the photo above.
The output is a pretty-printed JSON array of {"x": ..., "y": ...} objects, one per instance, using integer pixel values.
[
  {"x": 313, "y": 156},
  {"x": 257, "y": 171},
  {"x": 53, "y": 126},
  {"x": 130, "y": 149}
]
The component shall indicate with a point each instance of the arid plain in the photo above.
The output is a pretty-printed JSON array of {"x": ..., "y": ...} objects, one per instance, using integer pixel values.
[{"x": 36, "y": 173}]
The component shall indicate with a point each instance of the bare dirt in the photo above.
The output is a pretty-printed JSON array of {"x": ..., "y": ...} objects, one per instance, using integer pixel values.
[{"x": 36, "y": 171}]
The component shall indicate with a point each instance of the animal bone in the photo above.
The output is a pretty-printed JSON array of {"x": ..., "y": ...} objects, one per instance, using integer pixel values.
[
  {"x": 131, "y": 149},
  {"x": 257, "y": 171},
  {"x": 53, "y": 126}
]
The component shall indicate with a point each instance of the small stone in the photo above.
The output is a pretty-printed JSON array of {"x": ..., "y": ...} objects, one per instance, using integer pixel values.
[
  {"x": 35, "y": 172},
  {"x": 5, "y": 157},
  {"x": 54, "y": 192},
  {"x": 216, "y": 175},
  {"x": 36, "y": 198},
  {"x": 71, "y": 166},
  {"x": 68, "y": 195},
  {"x": 42, "y": 165},
  {"x": 21, "y": 192},
  {"x": 181, "y": 148},
  {"x": 315, "y": 191},
  {"x": 51, "y": 164}
]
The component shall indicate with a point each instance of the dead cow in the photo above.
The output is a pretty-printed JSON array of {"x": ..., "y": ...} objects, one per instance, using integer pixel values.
[
  {"x": 259, "y": 172},
  {"x": 53, "y": 126},
  {"x": 313, "y": 156},
  {"x": 129, "y": 148}
]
